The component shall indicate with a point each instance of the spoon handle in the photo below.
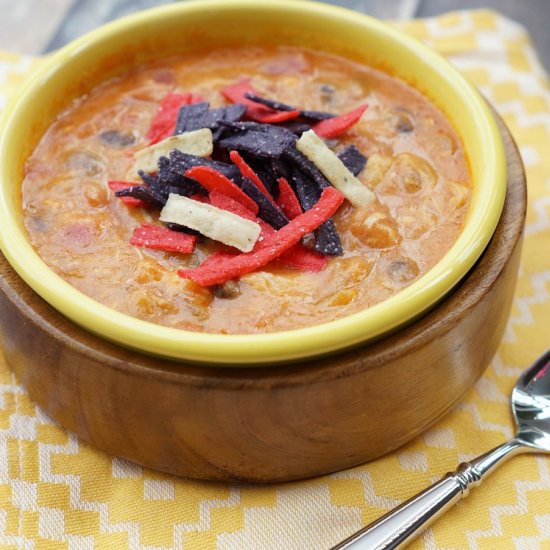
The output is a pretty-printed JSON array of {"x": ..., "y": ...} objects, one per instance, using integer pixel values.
[{"x": 400, "y": 526}]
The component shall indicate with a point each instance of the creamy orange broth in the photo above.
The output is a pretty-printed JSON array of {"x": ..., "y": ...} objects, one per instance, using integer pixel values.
[{"x": 416, "y": 167}]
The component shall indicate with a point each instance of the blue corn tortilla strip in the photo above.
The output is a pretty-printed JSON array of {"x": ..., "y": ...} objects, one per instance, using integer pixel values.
[
  {"x": 279, "y": 106},
  {"x": 180, "y": 186},
  {"x": 278, "y": 131},
  {"x": 298, "y": 159},
  {"x": 262, "y": 140},
  {"x": 143, "y": 193},
  {"x": 271, "y": 103},
  {"x": 264, "y": 171},
  {"x": 316, "y": 116},
  {"x": 199, "y": 115},
  {"x": 353, "y": 159},
  {"x": 307, "y": 192},
  {"x": 268, "y": 211},
  {"x": 149, "y": 180},
  {"x": 257, "y": 143},
  {"x": 297, "y": 127},
  {"x": 165, "y": 174},
  {"x": 280, "y": 169},
  {"x": 242, "y": 125},
  {"x": 182, "y": 162},
  {"x": 186, "y": 190},
  {"x": 191, "y": 117},
  {"x": 230, "y": 113},
  {"x": 327, "y": 240},
  {"x": 182, "y": 229},
  {"x": 170, "y": 175}
]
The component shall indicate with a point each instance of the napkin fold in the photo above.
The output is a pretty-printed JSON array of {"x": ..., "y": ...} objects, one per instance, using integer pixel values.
[{"x": 58, "y": 492}]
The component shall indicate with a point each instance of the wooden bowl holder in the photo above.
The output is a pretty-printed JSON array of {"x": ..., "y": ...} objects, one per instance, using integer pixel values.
[{"x": 274, "y": 423}]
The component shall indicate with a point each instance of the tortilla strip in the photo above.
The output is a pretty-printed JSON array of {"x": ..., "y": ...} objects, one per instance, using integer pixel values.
[
  {"x": 198, "y": 142},
  {"x": 213, "y": 222},
  {"x": 316, "y": 150}
]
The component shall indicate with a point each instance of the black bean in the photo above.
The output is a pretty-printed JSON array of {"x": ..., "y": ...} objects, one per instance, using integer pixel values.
[
  {"x": 404, "y": 121},
  {"x": 402, "y": 271},
  {"x": 228, "y": 290},
  {"x": 114, "y": 138},
  {"x": 85, "y": 163},
  {"x": 327, "y": 92}
]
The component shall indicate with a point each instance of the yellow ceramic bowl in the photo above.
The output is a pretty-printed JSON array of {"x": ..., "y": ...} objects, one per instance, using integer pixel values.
[{"x": 117, "y": 46}]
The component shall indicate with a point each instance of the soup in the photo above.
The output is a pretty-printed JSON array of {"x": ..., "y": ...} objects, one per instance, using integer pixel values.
[{"x": 415, "y": 171}]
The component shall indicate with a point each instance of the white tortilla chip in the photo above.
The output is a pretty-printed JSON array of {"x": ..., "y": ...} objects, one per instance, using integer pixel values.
[
  {"x": 198, "y": 143},
  {"x": 316, "y": 150},
  {"x": 212, "y": 222}
]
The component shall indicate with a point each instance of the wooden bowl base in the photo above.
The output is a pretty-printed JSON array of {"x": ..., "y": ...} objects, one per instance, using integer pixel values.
[{"x": 272, "y": 423}]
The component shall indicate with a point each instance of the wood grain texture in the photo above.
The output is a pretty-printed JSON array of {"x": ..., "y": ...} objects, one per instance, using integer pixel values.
[{"x": 276, "y": 423}]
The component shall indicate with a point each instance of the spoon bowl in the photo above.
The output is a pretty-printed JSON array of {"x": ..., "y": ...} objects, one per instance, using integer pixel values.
[{"x": 531, "y": 407}]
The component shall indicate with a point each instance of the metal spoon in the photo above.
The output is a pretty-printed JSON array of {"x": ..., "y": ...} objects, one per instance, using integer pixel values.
[{"x": 531, "y": 407}]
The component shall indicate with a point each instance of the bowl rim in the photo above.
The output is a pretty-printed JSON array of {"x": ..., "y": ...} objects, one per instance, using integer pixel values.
[{"x": 275, "y": 347}]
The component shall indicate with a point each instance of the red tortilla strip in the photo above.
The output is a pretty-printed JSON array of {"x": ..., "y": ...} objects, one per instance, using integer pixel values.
[
  {"x": 212, "y": 180},
  {"x": 277, "y": 116},
  {"x": 159, "y": 237},
  {"x": 247, "y": 172},
  {"x": 333, "y": 127},
  {"x": 287, "y": 200},
  {"x": 200, "y": 198},
  {"x": 196, "y": 98},
  {"x": 298, "y": 257},
  {"x": 164, "y": 121},
  {"x": 118, "y": 185},
  {"x": 255, "y": 111},
  {"x": 225, "y": 202},
  {"x": 217, "y": 270}
]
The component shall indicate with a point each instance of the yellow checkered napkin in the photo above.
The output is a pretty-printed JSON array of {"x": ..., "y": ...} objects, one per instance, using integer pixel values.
[{"x": 57, "y": 492}]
